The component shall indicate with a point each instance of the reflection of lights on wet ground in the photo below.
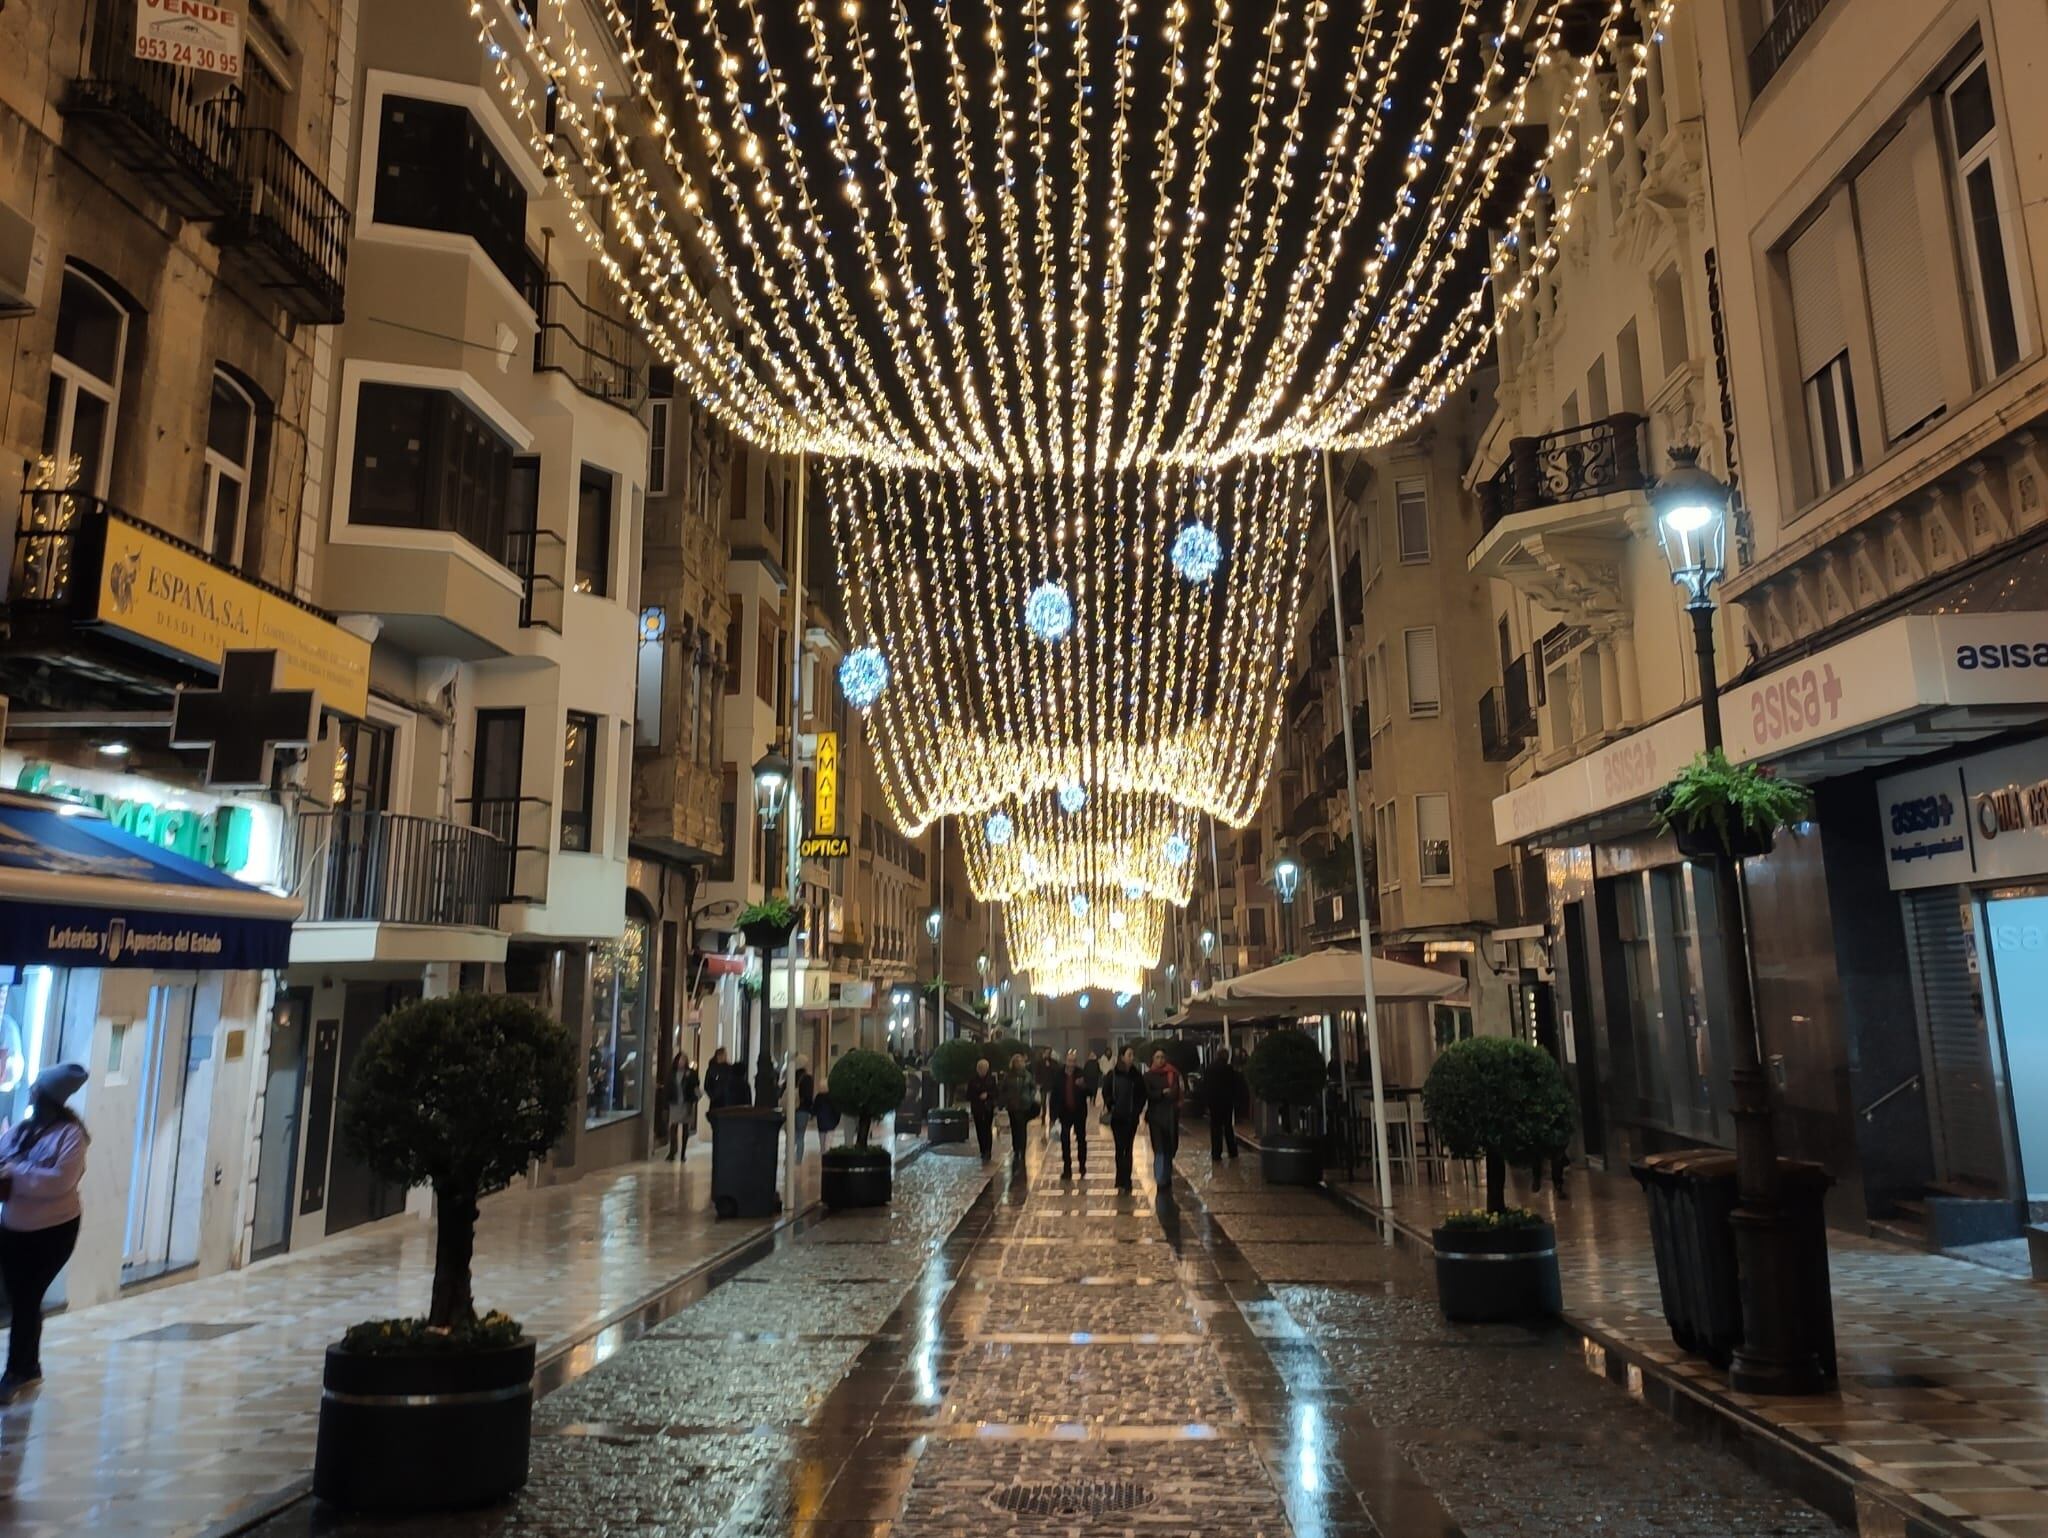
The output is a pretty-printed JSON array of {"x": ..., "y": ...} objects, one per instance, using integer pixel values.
[{"x": 1308, "y": 1436}]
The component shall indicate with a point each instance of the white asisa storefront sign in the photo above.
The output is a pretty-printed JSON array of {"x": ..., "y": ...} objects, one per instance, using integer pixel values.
[{"x": 1982, "y": 818}]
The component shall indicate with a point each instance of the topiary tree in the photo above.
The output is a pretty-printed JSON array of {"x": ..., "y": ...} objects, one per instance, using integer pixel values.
[
  {"x": 1501, "y": 1100},
  {"x": 460, "y": 1094},
  {"x": 952, "y": 1062},
  {"x": 865, "y": 1085},
  {"x": 1286, "y": 1069}
]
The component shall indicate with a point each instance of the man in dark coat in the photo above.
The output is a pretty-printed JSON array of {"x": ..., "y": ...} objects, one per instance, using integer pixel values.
[
  {"x": 1220, "y": 1094},
  {"x": 1072, "y": 1101},
  {"x": 982, "y": 1090},
  {"x": 1123, "y": 1094}
]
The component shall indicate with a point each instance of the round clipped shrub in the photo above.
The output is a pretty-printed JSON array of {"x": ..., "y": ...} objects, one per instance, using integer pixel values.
[
  {"x": 461, "y": 1094},
  {"x": 866, "y": 1086},
  {"x": 1500, "y": 1100},
  {"x": 952, "y": 1062},
  {"x": 1286, "y": 1070}
]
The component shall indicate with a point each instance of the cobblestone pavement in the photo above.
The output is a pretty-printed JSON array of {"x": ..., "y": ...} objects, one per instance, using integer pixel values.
[{"x": 1942, "y": 1403}]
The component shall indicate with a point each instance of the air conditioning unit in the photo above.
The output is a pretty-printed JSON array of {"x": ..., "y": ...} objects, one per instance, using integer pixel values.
[{"x": 23, "y": 255}]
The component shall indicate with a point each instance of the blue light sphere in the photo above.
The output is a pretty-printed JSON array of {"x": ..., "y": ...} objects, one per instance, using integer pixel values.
[
  {"x": 1073, "y": 796},
  {"x": 863, "y": 675},
  {"x": 1122, "y": 999},
  {"x": 1178, "y": 849},
  {"x": 1078, "y": 905},
  {"x": 998, "y": 828},
  {"x": 1133, "y": 890},
  {"x": 1085, "y": 1000},
  {"x": 1197, "y": 552},
  {"x": 1048, "y": 612}
]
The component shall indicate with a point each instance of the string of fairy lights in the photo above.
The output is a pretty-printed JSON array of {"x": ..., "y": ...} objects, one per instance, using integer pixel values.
[{"x": 1066, "y": 301}]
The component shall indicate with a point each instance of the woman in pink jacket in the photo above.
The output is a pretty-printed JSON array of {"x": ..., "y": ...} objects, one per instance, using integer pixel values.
[{"x": 41, "y": 1162}]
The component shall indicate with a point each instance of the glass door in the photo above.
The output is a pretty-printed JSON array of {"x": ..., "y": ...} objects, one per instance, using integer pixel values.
[
  {"x": 167, "y": 1178},
  {"x": 2015, "y": 935}
]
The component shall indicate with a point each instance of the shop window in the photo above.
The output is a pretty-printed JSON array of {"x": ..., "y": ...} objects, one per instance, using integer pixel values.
[
  {"x": 438, "y": 170},
  {"x": 1985, "y": 216},
  {"x": 595, "y": 490},
  {"x": 579, "y": 780},
  {"x": 425, "y": 460},
  {"x": 230, "y": 467},
  {"x": 85, "y": 384},
  {"x": 616, "y": 1066}
]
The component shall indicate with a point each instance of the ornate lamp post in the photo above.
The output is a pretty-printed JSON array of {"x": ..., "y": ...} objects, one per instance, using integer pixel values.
[
  {"x": 771, "y": 787},
  {"x": 1780, "y": 1352},
  {"x": 1286, "y": 877}
]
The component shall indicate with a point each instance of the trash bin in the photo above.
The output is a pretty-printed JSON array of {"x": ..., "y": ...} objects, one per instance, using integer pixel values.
[
  {"x": 745, "y": 1142},
  {"x": 1691, "y": 1192}
]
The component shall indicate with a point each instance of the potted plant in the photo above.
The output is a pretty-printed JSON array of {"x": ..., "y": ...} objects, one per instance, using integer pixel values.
[
  {"x": 460, "y": 1094},
  {"x": 952, "y": 1064},
  {"x": 768, "y": 925},
  {"x": 1719, "y": 810},
  {"x": 864, "y": 1085},
  {"x": 1286, "y": 1071},
  {"x": 1503, "y": 1102}
]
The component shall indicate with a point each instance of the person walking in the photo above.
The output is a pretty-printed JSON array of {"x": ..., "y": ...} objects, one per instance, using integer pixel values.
[
  {"x": 1073, "y": 1099},
  {"x": 1123, "y": 1096},
  {"x": 1047, "y": 1073},
  {"x": 806, "y": 1104},
  {"x": 42, "y": 1159},
  {"x": 1219, "y": 1099},
  {"x": 1162, "y": 1118},
  {"x": 719, "y": 1076},
  {"x": 684, "y": 1086},
  {"x": 982, "y": 1090},
  {"x": 1021, "y": 1100}
]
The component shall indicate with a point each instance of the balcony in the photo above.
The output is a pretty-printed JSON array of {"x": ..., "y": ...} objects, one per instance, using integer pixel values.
[
  {"x": 385, "y": 868},
  {"x": 1573, "y": 465},
  {"x": 175, "y": 129},
  {"x": 1791, "y": 22},
  {"x": 1521, "y": 895},
  {"x": 1507, "y": 716},
  {"x": 598, "y": 353},
  {"x": 1306, "y": 816},
  {"x": 286, "y": 230},
  {"x": 524, "y": 827},
  {"x": 539, "y": 558}
]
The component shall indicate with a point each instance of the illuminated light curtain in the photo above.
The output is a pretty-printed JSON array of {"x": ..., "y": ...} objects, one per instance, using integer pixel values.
[
  {"x": 1140, "y": 845},
  {"x": 1028, "y": 240},
  {"x": 1128, "y": 635},
  {"x": 1093, "y": 933}
]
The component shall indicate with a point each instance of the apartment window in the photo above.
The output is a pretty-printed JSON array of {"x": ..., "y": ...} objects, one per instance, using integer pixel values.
[
  {"x": 1255, "y": 926},
  {"x": 1628, "y": 358},
  {"x": 85, "y": 384},
  {"x": 1386, "y": 847},
  {"x": 594, "y": 494},
  {"x": 496, "y": 773},
  {"x": 765, "y": 636},
  {"x": 438, "y": 170},
  {"x": 230, "y": 466},
  {"x": 1375, "y": 698},
  {"x": 425, "y": 460},
  {"x": 733, "y": 635},
  {"x": 1668, "y": 292},
  {"x": 1425, "y": 694},
  {"x": 579, "y": 780},
  {"x": 657, "y": 447},
  {"x": 1411, "y": 518},
  {"x": 1989, "y": 251},
  {"x": 1596, "y": 390},
  {"x": 736, "y": 483},
  {"x": 728, "y": 821},
  {"x": 1433, "y": 838},
  {"x": 1897, "y": 279},
  {"x": 1821, "y": 331}
]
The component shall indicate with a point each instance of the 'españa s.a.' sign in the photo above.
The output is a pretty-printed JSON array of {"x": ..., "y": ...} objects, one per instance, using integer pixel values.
[{"x": 825, "y": 846}]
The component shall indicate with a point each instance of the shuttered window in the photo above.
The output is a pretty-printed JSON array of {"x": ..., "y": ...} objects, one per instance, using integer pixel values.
[
  {"x": 1895, "y": 272},
  {"x": 1813, "y": 266},
  {"x": 1425, "y": 692},
  {"x": 1963, "y": 1097}
]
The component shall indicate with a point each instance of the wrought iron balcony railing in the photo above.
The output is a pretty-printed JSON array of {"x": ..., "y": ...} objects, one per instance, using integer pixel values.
[
  {"x": 522, "y": 824},
  {"x": 383, "y": 867},
  {"x": 596, "y": 352},
  {"x": 1790, "y": 22},
  {"x": 1592, "y": 460},
  {"x": 539, "y": 559},
  {"x": 287, "y": 229}
]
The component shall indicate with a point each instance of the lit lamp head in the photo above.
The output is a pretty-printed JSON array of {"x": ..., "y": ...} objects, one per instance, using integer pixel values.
[
  {"x": 771, "y": 786},
  {"x": 1286, "y": 874},
  {"x": 932, "y": 921},
  {"x": 1692, "y": 524},
  {"x": 981, "y": 963},
  {"x": 1208, "y": 943}
]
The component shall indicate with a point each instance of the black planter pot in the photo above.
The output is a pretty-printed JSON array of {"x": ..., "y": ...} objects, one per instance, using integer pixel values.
[
  {"x": 1705, "y": 843},
  {"x": 945, "y": 1126},
  {"x": 765, "y": 935},
  {"x": 745, "y": 1149},
  {"x": 1490, "y": 1275},
  {"x": 849, "y": 1182},
  {"x": 431, "y": 1431},
  {"x": 1287, "y": 1160}
]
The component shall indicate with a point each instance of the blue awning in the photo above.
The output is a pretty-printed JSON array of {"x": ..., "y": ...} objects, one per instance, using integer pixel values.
[{"x": 75, "y": 891}]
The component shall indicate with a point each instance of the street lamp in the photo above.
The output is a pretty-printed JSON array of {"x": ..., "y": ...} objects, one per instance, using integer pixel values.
[
  {"x": 771, "y": 787},
  {"x": 1780, "y": 1337},
  {"x": 932, "y": 921},
  {"x": 1208, "y": 943}
]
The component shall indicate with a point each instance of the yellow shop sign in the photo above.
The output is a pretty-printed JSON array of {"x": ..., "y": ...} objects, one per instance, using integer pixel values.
[{"x": 165, "y": 596}]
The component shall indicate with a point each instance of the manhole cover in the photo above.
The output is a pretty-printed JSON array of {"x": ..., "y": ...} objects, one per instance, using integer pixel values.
[{"x": 1073, "y": 1498}]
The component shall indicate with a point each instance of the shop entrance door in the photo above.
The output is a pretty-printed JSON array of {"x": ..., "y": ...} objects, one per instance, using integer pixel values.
[
  {"x": 354, "y": 1195},
  {"x": 277, "y": 1155},
  {"x": 174, "y": 1101},
  {"x": 2016, "y": 932}
]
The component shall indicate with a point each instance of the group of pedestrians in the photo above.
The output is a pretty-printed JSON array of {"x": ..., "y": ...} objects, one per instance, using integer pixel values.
[
  {"x": 1067, "y": 1094},
  {"x": 724, "y": 1083}
]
